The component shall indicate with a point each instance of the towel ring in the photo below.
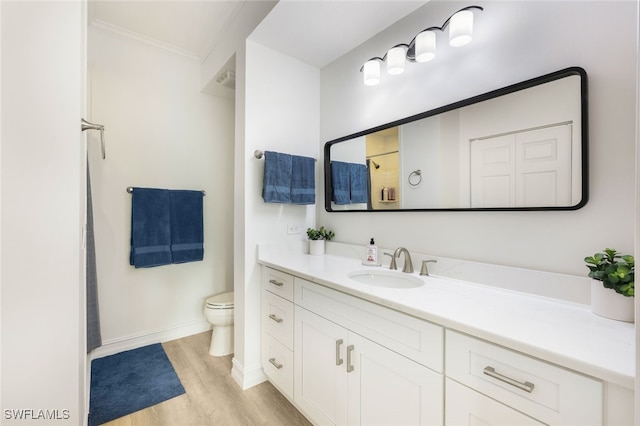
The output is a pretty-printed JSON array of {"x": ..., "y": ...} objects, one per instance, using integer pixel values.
[{"x": 417, "y": 173}]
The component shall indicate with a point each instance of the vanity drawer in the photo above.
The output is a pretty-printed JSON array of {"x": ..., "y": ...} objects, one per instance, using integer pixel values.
[
  {"x": 544, "y": 391},
  {"x": 277, "y": 318},
  {"x": 414, "y": 338},
  {"x": 467, "y": 407},
  {"x": 277, "y": 282},
  {"x": 277, "y": 363}
]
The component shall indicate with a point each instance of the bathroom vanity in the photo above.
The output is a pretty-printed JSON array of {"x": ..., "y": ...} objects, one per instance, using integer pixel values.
[{"x": 351, "y": 344}]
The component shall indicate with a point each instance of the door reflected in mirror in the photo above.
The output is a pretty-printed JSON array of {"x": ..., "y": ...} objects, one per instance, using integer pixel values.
[{"x": 523, "y": 147}]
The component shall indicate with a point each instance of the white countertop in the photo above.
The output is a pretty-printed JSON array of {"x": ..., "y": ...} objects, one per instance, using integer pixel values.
[{"x": 563, "y": 333}]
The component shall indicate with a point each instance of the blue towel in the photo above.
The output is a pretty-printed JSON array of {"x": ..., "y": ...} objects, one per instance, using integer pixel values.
[
  {"x": 303, "y": 180},
  {"x": 187, "y": 226},
  {"x": 150, "y": 228},
  {"x": 277, "y": 178},
  {"x": 340, "y": 182},
  {"x": 358, "y": 177}
]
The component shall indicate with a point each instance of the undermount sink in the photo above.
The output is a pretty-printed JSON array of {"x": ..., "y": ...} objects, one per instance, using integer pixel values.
[{"x": 389, "y": 279}]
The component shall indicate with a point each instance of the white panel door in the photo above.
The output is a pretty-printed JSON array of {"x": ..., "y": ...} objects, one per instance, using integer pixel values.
[
  {"x": 543, "y": 167},
  {"x": 320, "y": 380},
  {"x": 388, "y": 389},
  {"x": 525, "y": 169},
  {"x": 493, "y": 172}
]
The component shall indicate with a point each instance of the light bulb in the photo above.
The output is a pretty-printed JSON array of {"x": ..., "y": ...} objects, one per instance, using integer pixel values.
[
  {"x": 371, "y": 72},
  {"x": 395, "y": 60},
  {"x": 425, "y": 46},
  {"x": 461, "y": 28}
]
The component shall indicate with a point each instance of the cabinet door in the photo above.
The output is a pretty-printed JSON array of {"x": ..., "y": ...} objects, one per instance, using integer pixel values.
[
  {"x": 466, "y": 407},
  {"x": 388, "y": 389},
  {"x": 320, "y": 382}
]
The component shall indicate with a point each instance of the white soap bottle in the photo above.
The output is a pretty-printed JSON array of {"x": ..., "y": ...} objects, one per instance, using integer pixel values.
[{"x": 372, "y": 253}]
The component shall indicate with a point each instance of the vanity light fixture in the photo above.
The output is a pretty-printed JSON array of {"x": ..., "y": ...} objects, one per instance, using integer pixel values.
[
  {"x": 461, "y": 28},
  {"x": 396, "y": 57},
  {"x": 371, "y": 70},
  {"x": 423, "y": 46}
]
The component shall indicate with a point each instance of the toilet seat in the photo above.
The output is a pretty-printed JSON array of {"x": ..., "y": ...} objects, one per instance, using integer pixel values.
[{"x": 221, "y": 301}]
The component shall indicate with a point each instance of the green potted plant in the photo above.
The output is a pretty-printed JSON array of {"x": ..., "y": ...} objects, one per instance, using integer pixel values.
[
  {"x": 317, "y": 238},
  {"x": 612, "y": 284}
]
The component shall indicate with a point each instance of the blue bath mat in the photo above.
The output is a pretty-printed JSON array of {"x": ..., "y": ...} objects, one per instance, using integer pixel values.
[{"x": 129, "y": 381}]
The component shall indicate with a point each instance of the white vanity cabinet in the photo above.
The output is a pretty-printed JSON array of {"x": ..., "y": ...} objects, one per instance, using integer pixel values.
[
  {"x": 358, "y": 363},
  {"x": 480, "y": 373},
  {"x": 342, "y": 378},
  {"x": 344, "y": 360},
  {"x": 277, "y": 329},
  {"x": 468, "y": 407}
]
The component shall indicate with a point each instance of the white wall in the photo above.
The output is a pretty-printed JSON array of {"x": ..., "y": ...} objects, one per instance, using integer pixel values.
[
  {"x": 160, "y": 132},
  {"x": 42, "y": 196},
  {"x": 514, "y": 41},
  {"x": 420, "y": 149},
  {"x": 278, "y": 110}
]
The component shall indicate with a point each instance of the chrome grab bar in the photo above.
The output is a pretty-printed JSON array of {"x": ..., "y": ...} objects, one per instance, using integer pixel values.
[{"x": 526, "y": 386}]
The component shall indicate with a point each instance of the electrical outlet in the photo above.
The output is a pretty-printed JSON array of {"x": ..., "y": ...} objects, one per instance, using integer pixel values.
[{"x": 293, "y": 229}]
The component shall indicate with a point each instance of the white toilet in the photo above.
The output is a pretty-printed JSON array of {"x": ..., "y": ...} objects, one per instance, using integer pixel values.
[{"x": 219, "y": 311}]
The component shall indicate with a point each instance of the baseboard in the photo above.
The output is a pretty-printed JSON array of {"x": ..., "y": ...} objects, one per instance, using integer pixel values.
[
  {"x": 132, "y": 342},
  {"x": 247, "y": 379}
]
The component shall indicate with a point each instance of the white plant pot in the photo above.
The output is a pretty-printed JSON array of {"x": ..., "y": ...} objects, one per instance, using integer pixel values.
[
  {"x": 605, "y": 302},
  {"x": 316, "y": 247}
]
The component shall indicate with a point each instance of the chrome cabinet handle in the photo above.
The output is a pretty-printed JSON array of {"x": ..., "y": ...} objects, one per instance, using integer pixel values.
[
  {"x": 276, "y": 283},
  {"x": 339, "y": 360},
  {"x": 275, "y": 318},
  {"x": 274, "y": 363},
  {"x": 349, "y": 365},
  {"x": 491, "y": 372}
]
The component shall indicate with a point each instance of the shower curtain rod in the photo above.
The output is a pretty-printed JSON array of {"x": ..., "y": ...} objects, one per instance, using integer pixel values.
[
  {"x": 130, "y": 190},
  {"x": 259, "y": 154},
  {"x": 86, "y": 125}
]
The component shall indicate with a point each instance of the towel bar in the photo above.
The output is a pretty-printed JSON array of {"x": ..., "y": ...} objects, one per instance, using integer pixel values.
[
  {"x": 130, "y": 190},
  {"x": 259, "y": 154}
]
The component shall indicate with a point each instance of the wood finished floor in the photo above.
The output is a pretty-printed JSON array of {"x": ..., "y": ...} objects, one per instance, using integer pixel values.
[{"x": 212, "y": 397}]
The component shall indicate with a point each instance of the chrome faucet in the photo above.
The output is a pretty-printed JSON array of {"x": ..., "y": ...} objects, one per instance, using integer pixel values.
[{"x": 408, "y": 265}]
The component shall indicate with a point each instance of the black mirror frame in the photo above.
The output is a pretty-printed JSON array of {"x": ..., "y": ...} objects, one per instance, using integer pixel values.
[{"x": 470, "y": 101}]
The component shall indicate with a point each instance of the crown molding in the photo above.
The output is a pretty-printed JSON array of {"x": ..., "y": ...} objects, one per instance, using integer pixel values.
[{"x": 97, "y": 23}]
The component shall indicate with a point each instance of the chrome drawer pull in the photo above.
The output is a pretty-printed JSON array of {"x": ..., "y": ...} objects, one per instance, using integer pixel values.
[
  {"x": 276, "y": 283},
  {"x": 274, "y": 363},
  {"x": 526, "y": 386},
  {"x": 339, "y": 360},
  {"x": 275, "y": 318},
  {"x": 349, "y": 365}
]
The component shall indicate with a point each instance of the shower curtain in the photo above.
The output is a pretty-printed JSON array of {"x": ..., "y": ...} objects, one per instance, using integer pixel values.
[{"x": 94, "y": 338}]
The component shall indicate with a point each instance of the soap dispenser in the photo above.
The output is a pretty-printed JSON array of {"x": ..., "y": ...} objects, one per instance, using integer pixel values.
[{"x": 372, "y": 254}]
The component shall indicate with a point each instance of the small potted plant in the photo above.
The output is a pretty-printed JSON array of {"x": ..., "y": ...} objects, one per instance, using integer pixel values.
[
  {"x": 317, "y": 238},
  {"x": 612, "y": 284}
]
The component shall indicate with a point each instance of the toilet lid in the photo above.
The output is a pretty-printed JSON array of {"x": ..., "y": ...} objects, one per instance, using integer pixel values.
[{"x": 221, "y": 300}]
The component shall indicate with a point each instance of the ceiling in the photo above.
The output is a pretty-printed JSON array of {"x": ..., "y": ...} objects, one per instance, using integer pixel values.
[
  {"x": 190, "y": 27},
  {"x": 313, "y": 31},
  {"x": 319, "y": 32}
]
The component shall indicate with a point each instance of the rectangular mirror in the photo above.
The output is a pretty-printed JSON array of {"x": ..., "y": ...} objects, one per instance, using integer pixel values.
[{"x": 522, "y": 147}]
